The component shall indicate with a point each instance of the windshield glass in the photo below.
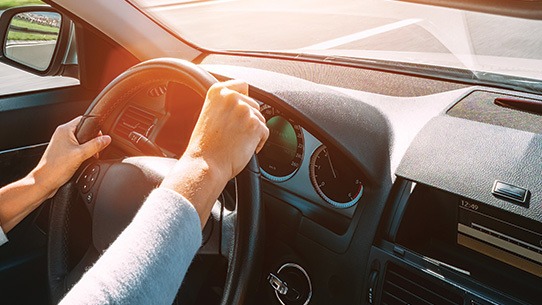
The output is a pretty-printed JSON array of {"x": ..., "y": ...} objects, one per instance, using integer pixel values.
[{"x": 396, "y": 32}]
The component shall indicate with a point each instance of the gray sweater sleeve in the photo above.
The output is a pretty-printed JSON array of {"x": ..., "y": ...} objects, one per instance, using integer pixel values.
[{"x": 147, "y": 262}]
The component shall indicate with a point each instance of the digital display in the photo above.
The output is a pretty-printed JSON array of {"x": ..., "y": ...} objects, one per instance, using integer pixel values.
[
  {"x": 500, "y": 239},
  {"x": 282, "y": 154},
  {"x": 282, "y": 141}
]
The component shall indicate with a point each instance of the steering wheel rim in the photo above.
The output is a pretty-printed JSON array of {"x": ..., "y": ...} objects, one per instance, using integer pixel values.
[{"x": 245, "y": 255}]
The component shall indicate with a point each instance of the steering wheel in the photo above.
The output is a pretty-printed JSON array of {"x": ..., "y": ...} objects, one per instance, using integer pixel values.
[{"x": 114, "y": 190}]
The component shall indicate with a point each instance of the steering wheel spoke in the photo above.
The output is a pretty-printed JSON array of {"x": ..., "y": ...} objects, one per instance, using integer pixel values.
[
  {"x": 88, "y": 179},
  {"x": 213, "y": 232}
]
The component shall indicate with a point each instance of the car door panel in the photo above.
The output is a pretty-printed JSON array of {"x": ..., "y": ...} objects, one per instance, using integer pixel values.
[{"x": 27, "y": 122}]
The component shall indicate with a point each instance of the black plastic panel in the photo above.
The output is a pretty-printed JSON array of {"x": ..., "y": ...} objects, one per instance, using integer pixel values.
[
  {"x": 31, "y": 118},
  {"x": 431, "y": 227},
  {"x": 429, "y": 278}
]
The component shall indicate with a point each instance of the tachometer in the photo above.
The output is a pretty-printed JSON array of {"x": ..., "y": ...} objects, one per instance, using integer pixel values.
[
  {"x": 335, "y": 179},
  {"x": 281, "y": 156}
]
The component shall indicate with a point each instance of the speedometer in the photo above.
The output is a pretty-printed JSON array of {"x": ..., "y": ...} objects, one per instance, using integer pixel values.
[
  {"x": 281, "y": 156},
  {"x": 335, "y": 179}
]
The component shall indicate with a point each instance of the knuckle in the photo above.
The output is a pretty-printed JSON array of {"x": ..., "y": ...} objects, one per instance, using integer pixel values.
[
  {"x": 252, "y": 102},
  {"x": 215, "y": 90},
  {"x": 244, "y": 109},
  {"x": 60, "y": 128},
  {"x": 257, "y": 126},
  {"x": 253, "y": 125},
  {"x": 216, "y": 87},
  {"x": 229, "y": 95}
]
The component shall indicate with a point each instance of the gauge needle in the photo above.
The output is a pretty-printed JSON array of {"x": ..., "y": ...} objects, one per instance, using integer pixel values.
[{"x": 331, "y": 165}]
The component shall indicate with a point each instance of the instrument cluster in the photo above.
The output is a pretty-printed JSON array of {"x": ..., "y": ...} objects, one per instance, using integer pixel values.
[{"x": 297, "y": 161}]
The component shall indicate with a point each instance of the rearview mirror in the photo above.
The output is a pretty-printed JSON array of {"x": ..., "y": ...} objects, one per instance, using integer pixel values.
[{"x": 34, "y": 38}]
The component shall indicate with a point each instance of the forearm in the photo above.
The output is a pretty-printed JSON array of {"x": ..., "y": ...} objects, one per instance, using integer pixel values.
[
  {"x": 198, "y": 181},
  {"x": 20, "y": 198},
  {"x": 57, "y": 165},
  {"x": 147, "y": 262}
]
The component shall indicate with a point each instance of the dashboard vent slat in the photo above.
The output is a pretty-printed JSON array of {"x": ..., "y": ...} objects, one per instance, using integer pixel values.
[
  {"x": 134, "y": 119},
  {"x": 404, "y": 287}
]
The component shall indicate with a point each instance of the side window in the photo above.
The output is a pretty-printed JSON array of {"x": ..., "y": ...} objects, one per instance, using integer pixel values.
[{"x": 39, "y": 48}]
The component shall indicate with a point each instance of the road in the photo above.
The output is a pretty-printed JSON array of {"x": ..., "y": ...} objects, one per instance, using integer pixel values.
[
  {"x": 13, "y": 80},
  {"x": 366, "y": 28},
  {"x": 309, "y": 24},
  {"x": 351, "y": 27}
]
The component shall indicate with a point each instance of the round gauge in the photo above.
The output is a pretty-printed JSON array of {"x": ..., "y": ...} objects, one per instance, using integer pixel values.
[
  {"x": 335, "y": 179},
  {"x": 282, "y": 154}
]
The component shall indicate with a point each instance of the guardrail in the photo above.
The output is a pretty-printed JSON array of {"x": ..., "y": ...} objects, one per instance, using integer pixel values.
[{"x": 30, "y": 31}]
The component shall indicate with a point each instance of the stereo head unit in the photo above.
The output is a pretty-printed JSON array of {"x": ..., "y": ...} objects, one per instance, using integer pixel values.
[
  {"x": 504, "y": 240},
  {"x": 480, "y": 245}
]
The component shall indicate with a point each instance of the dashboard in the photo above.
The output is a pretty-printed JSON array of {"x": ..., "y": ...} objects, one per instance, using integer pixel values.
[
  {"x": 296, "y": 160},
  {"x": 292, "y": 159},
  {"x": 430, "y": 198},
  {"x": 379, "y": 184}
]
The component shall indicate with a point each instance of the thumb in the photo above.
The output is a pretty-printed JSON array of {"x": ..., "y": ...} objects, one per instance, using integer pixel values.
[
  {"x": 236, "y": 85},
  {"x": 94, "y": 146}
]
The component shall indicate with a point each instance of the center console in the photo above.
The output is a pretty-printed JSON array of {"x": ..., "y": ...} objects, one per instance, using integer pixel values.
[
  {"x": 463, "y": 224},
  {"x": 441, "y": 248}
]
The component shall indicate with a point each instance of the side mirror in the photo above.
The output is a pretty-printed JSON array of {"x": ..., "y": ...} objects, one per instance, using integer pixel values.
[{"x": 34, "y": 38}]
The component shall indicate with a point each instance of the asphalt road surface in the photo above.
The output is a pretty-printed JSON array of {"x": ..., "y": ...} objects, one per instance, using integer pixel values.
[
  {"x": 13, "y": 80},
  {"x": 336, "y": 26},
  {"x": 350, "y": 24}
]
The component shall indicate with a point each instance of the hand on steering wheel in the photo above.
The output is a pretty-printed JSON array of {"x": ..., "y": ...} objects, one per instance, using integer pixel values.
[
  {"x": 229, "y": 130},
  {"x": 64, "y": 155},
  {"x": 121, "y": 186}
]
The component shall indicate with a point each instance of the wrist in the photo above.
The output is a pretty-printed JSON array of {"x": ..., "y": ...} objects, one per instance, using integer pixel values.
[
  {"x": 190, "y": 171},
  {"x": 41, "y": 181},
  {"x": 199, "y": 181}
]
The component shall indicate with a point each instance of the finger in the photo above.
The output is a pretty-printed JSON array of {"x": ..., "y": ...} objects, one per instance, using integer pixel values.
[
  {"x": 236, "y": 85},
  {"x": 259, "y": 115},
  {"x": 250, "y": 101},
  {"x": 97, "y": 155},
  {"x": 254, "y": 105},
  {"x": 68, "y": 130},
  {"x": 72, "y": 125},
  {"x": 94, "y": 146},
  {"x": 263, "y": 139}
]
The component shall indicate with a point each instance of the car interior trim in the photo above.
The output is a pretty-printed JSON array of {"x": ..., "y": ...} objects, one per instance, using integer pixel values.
[{"x": 12, "y": 150}]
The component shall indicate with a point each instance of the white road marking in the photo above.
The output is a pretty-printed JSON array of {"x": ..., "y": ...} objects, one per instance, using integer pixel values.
[
  {"x": 360, "y": 35},
  {"x": 188, "y": 5}
]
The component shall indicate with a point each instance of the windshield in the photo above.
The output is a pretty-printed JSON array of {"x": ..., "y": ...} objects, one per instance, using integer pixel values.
[{"x": 489, "y": 46}]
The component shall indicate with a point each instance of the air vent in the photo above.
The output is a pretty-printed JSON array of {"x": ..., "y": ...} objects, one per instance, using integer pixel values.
[
  {"x": 157, "y": 91},
  {"x": 404, "y": 287},
  {"x": 134, "y": 119}
]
